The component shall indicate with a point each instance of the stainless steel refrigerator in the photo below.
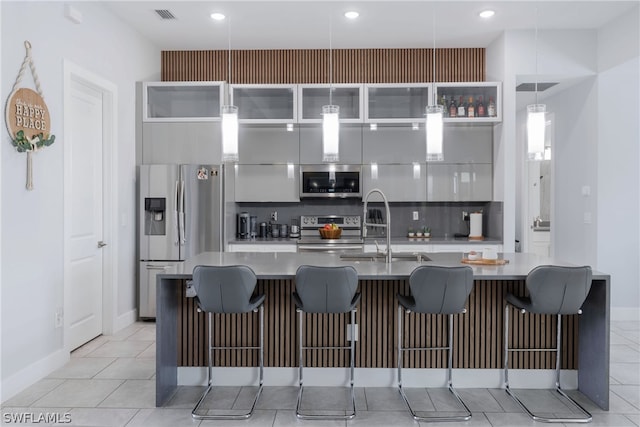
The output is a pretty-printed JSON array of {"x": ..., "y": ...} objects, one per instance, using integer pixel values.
[{"x": 180, "y": 216}]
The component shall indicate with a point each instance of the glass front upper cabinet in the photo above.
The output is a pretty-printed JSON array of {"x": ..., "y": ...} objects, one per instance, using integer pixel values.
[
  {"x": 313, "y": 96},
  {"x": 265, "y": 103},
  {"x": 396, "y": 103},
  {"x": 182, "y": 101},
  {"x": 470, "y": 102}
]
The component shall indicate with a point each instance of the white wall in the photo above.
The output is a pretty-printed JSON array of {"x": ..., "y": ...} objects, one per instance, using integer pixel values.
[
  {"x": 596, "y": 144},
  {"x": 32, "y": 233},
  {"x": 618, "y": 179}
]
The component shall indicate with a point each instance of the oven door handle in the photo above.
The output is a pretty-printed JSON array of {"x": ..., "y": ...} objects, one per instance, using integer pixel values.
[{"x": 322, "y": 248}]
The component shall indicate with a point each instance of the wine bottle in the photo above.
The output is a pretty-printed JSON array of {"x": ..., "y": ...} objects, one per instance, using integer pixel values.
[
  {"x": 491, "y": 109},
  {"x": 462, "y": 111},
  {"x": 480, "y": 111},
  {"x": 471, "y": 109},
  {"x": 453, "y": 108}
]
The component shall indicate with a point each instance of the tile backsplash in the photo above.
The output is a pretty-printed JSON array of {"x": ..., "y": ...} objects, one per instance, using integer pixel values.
[{"x": 444, "y": 218}]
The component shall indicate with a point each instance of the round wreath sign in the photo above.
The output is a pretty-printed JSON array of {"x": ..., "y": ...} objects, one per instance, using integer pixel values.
[{"x": 27, "y": 117}]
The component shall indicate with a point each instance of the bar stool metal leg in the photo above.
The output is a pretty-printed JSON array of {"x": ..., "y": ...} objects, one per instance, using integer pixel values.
[
  {"x": 449, "y": 348},
  {"x": 260, "y": 349},
  {"x": 587, "y": 416},
  {"x": 301, "y": 349}
]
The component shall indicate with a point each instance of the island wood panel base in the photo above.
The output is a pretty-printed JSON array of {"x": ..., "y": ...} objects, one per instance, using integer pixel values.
[{"x": 478, "y": 333}]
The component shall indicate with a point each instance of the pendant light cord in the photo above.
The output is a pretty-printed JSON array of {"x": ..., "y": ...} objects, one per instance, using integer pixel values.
[
  {"x": 536, "y": 50},
  {"x": 229, "y": 59},
  {"x": 330, "y": 61},
  {"x": 433, "y": 59}
]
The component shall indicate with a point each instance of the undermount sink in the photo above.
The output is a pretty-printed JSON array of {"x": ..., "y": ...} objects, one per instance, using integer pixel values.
[{"x": 379, "y": 256}]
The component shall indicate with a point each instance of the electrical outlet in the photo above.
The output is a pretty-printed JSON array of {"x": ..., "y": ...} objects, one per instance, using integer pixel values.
[
  {"x": 59, "y": 319},
  {"x": 416, "y": 216},
  {"x": 274, "y": 216},
  {"x": 352, "y": 331}
]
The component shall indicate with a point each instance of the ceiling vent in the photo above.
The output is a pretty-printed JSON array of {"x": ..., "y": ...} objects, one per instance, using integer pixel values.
[
  {"x": 531, "y": 87},
  {"x": 165, "y": 14}
]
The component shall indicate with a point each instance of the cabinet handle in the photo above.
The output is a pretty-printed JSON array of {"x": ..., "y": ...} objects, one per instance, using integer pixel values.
[
  {"x": 101, "y": 244},
  {"x": 158, "y": 267}
]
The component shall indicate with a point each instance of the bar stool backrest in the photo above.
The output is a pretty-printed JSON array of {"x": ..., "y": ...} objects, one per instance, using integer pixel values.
[
  {"x": 440, "y": 290},
  {"x": 224, "y": 289},
  {"x": 558, "y": 290},
  {"x": 326, "y": 289}
]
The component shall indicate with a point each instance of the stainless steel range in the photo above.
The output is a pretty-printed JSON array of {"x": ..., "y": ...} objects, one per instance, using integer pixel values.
[{"x": 350, "y": 240}]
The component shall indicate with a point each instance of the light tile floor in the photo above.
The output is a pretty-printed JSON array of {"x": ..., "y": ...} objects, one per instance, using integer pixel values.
[{"x": 110, "y": 382}]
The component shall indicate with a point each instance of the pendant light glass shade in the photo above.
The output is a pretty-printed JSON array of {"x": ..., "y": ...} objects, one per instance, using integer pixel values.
[
  {"x": 330, "y": 133},
  {"x": 434, "y": 132},
  {"x": 536, "y": 124},
  {"x": 229, "y": 133}
]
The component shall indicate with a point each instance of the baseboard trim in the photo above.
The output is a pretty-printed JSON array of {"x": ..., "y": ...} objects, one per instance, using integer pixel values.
[
  {"x": 32, "y": 374},
  {"x": 368, "y": 377},
  {"x": 625, "y": 314},
  {"x": 124, "y": 320}
]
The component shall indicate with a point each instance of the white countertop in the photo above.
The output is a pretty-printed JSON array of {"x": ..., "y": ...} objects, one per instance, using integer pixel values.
[{"x": 279, "y": 265}]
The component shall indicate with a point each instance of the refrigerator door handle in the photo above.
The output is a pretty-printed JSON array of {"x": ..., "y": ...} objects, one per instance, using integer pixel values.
[
  {"x": 183, "y": 238},
  {"x": 176, "y": 228}
]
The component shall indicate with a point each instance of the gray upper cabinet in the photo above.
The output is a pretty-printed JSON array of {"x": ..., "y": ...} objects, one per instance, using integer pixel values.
[
  {"x": 267, "y": 183},
  {"x": 181, "y": 101},
  {"x": 181, "y": 142},
  {"x": 465, "y": 143},
  {"x": 393, "y": 144},
  {"x": 268, "y": 144},
  {"x": 399, "y": 183},
  {"x": 399, "y": 103},
  {"x": 459, "y": 182},
  {"x": 265, "y": 103},
  {"x": 311, "y": 98},
  {"x": 350, "y": 144}
]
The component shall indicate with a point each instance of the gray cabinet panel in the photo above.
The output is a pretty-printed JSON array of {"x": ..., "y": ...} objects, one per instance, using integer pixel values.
[
  {"x": 468, "y": 144},
  {"x": 181, "y": 142},
  {"x": 267, "y": 183},
  {"x": 459, "y": 182},
  {"x": 399, "y": 183},
  {"x": 268, "y": 144},
  {"x": 393, "y": 144},
  {"x": 350, "y": 144}
]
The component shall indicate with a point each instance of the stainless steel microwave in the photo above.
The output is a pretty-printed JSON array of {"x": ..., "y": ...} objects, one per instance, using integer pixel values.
[{"x": 330, "y": 181}]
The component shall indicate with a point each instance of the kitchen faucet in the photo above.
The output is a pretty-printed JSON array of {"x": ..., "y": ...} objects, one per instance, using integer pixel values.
[{"x": 387, "y": 225}]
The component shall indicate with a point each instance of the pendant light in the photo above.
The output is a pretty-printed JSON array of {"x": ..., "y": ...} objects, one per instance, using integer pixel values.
[
  {"x": 434, "y": 113},
  {"x": 536, "y": 115},
  {"x": 229, "y": 115},
  {"x": 330, "y": 118}
]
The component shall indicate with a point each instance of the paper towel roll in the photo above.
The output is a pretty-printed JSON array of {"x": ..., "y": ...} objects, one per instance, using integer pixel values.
[{"x": 475, "y": 225}]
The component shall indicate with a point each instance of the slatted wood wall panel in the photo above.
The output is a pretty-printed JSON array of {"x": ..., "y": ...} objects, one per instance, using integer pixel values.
[
  {"x": 478, "y": 333},
  {"x": 312, "y": 65}
]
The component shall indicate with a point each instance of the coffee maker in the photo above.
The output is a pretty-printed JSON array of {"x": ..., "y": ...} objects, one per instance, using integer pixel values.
[{"x": 242, "y": 225}]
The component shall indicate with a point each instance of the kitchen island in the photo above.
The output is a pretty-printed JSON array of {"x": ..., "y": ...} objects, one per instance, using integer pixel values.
[{"x": 181, "y": 330}]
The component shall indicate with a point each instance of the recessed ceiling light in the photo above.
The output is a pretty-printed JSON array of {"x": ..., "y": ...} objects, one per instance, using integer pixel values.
[
  {"x": 217, "y": 16},
  {"x": 487, "y": 13},
  {"x": 352, "y": 14}
]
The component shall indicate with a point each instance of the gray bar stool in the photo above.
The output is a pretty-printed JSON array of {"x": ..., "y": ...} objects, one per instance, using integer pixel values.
[
  {"x": 227, "y": 289},
  {"x": 552, "y": 290},
  {"x": 325, "y": 290},
  {"x": 435, "y": 290}
]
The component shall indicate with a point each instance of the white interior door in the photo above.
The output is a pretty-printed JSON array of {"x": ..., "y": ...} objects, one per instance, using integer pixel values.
[{"x": 85, "y": 234}]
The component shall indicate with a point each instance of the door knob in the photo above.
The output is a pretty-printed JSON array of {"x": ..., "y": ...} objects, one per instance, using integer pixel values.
[{"x": 101, "y": 244}]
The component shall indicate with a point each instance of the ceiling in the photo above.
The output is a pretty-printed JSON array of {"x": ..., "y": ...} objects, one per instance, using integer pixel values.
[{"x": 308, "y": 24}]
